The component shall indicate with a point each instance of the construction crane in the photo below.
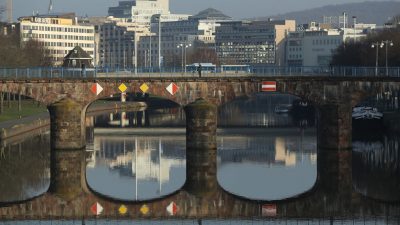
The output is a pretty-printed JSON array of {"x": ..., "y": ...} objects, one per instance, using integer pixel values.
[
  {"x": 9, "y": 11},
  {"x": 50, "y": 7}
]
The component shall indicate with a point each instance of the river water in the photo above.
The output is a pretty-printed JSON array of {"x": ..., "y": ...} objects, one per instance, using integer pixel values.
[{"x": 262, "y": 155}]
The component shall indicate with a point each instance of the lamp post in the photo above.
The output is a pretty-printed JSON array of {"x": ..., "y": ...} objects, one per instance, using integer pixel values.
[
  {"x": 377, "y": 45},
  {"x": 387, "y": 44},
  {"x": 159, "y": 42},
  {"x": 184, "y": 47},
  {"x": 136, "y": 53}
]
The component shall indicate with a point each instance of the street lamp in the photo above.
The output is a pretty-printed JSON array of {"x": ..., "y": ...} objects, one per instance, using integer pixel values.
[
  {"x": 184, "y": 47},
  {"x": 387, "y": 44},
  {"x": 377, "y": 45}
]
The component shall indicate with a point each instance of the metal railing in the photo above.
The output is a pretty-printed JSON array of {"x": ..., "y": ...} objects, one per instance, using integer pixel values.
[{"x": 258, "y": 71}]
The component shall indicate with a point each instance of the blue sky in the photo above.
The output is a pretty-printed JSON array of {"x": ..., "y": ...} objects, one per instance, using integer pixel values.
[{"x": 235, "y": 8}]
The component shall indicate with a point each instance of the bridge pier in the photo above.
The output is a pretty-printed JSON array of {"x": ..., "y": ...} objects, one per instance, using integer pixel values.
[
  {"x": 67, "y": 169},
  {"x": 201, "y": 147},
  {"x": 67, "y": 125},
  {"x": 335, "y": 126}
]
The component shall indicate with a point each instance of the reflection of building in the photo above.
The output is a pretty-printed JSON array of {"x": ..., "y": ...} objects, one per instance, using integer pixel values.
[
  {"x": 285, "y": 150},
  {"x": 139, "y": 157}
]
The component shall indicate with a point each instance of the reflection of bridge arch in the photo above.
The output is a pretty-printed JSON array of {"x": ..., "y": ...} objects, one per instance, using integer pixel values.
[
  {"x": 331, "y": 197},
  {"x": 376, "y": 167},
  {"x": 140, "y": 159}
]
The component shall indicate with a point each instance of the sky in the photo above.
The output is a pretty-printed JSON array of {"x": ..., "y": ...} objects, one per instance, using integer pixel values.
[{"x": 237, "y": 9}]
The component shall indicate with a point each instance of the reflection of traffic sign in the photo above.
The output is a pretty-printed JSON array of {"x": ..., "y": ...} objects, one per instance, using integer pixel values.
[
  {"x": 172, "y": 208},
  {"x": 172, "y": 88},
  {"x": 96, "y": 209},
  {"x": 96, "y": 89},
  {"x": 144, "y": 209},
  {"x": 269, "y": 210},
  {"x": 122, "y": 210},
  {"x": 144, "y": 88},
  {"x": 122, "y": 87},
  {"x": 269, "y": 86}
]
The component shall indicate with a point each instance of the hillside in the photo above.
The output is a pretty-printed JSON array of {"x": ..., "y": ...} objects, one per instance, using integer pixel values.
[{"x": 366, "y": 12}]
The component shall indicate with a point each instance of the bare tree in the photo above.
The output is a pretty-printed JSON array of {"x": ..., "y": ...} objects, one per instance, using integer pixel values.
[
  {"x": 203, "y": 54},
  {"x": 361, "y": 53},
  {"x": 14, "y": 54}
]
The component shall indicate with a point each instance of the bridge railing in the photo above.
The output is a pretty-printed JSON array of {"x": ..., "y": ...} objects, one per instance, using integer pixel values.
[{"x": 256, "y": 71}]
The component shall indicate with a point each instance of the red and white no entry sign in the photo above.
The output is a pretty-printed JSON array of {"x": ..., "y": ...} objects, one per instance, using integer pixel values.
[
  {"x": 268, "y": 86},
  {"x": 269, "y": 210}
]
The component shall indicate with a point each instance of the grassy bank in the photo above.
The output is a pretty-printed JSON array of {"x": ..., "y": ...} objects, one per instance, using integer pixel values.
[{"x": 28, "y": 108}]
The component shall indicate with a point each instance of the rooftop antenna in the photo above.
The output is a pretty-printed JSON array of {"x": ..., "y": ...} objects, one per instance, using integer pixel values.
[{"x": 50, "y": 6}]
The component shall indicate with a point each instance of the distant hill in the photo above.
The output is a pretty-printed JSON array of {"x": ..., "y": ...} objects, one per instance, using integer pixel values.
[{"x": 366, "y": 12}]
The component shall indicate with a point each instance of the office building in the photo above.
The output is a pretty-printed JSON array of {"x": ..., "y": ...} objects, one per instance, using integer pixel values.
[
  {"x": 253, "y": 42},
  {"x": 315, "y": 46},
  {"x": 141, "y": 11},
  {"x": 58, "y": 33},
  {"x": 198, "y": 30}
]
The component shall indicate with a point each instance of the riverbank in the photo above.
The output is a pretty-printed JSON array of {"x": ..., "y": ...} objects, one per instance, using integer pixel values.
[
  {"x": 28, "y": 108},
  {"x": 12, "y": 128}
]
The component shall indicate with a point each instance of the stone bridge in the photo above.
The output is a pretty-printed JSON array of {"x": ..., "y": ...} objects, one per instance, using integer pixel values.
[
  {"x": 334, "y": 97},
  {"x": 333, "y": 196}
]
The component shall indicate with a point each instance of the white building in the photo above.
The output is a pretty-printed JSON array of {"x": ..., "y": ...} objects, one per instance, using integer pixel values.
[
  {"x": 58, "y": 33},
  {"x": 197, "y": 30},
  {"x": 141, "y": 11},
  {"x": 126, "y": 24},
  {"x": 315, "y": 46}
]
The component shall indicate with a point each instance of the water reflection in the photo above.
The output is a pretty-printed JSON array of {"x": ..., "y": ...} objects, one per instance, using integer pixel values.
[
  {"x": 268, "y": 165},
  {"x": 133, "y": 168},
  {"x": 261, "y": 111},
  {"x": 24, "y": 167},
  {"x": 171, "y": 117},
  {"x": 376, "y": 167}
]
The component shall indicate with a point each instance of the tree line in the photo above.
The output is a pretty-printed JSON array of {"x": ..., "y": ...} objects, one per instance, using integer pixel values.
[
  {"x": 17, "y": 54},
  {"x": 361, "y": 53},
  {"x": 14, "y": 53}
]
